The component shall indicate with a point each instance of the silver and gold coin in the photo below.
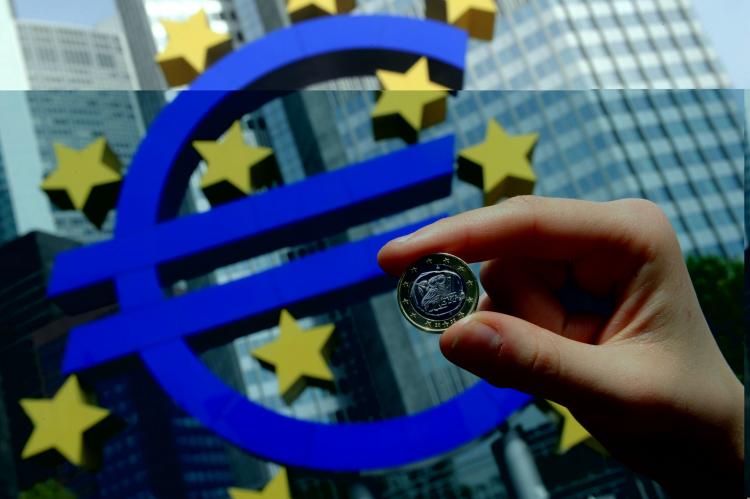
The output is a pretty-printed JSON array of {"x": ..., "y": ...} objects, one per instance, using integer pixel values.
[{"x": 437, "y": 291}]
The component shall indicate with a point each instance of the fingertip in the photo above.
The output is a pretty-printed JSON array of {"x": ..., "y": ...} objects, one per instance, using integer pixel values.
[
  {"x": 469, "y": 340},
  {"x": 388, "y": 257},
  {"x": 396, "y": 254},
  {"x": 448, "y": 338}
]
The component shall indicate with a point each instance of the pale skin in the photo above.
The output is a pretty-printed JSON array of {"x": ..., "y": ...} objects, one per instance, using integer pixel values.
[{"x": 648, "y": 381}]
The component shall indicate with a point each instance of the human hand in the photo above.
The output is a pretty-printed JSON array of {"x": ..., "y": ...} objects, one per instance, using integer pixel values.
[{"x": 648, "y": 381}]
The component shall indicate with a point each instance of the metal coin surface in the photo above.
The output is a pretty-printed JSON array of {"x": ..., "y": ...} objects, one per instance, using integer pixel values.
[{"x": 437, "y": 291}]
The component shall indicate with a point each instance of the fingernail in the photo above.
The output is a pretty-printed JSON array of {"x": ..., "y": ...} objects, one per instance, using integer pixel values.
[
  {"x": 403, "y": 239},
  {"x": 417, "y": 234}
]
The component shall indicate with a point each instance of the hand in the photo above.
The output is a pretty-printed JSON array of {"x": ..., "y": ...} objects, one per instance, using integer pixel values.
[{"x": 648, "y": 380}]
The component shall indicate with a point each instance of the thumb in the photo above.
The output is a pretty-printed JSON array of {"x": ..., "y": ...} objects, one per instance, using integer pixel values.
[{"x": 510, "y": 352}]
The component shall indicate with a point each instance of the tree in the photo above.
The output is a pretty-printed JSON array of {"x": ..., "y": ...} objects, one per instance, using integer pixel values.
[
  {"x": 51, "y": 489},
  {"x": 719, "y": 284}
]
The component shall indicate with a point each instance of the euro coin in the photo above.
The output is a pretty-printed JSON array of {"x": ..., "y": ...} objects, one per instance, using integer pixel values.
[{"x": 436, "y": 291}]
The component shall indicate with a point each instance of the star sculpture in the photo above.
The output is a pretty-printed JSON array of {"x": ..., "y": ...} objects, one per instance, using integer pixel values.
[
  {"x": 573, "y": 433},
  {"x": 501, "y": 165},
  {"x": 68, "y": 425},
  {"x": 192, "y": 47},
  {"x": 475, "y": 16},
  {"x": 297, "y": 356},
  {"x": 236, "y": 169},
  {"x": 278, "y": 488},
  {"x": 300, "y": 10},
  {"x": 86, "y": 180},
  {"x": 409, "y": 102}
]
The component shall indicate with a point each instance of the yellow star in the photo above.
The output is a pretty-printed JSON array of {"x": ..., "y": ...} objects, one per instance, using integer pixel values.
[
  {"x": 278, "y": 488},
  {"x": 87, "y": 180},
  {"x": 573, "y": 433},
  {"x": 192, "y": 47},
  {"x": 475, "y": 16},
  {"x": 410, "y": 102},
  {"x": 297, "y": 356},
  {"x": 236, "y": 169},
  {"x": 300, "y": 10},
  {"x": 66, "y": 424},
  {"x": 501, "y": 165}
]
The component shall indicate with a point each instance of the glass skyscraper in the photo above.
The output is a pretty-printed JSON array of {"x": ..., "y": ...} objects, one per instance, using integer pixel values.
[
  {"x": 681, "y": 148},
  {"x": 556, "y": 44}
]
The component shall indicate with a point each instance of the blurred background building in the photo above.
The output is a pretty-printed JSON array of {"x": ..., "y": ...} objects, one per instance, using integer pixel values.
[
  {"x": 160, "y": 453},
  {"x": 682, "y": 149}
]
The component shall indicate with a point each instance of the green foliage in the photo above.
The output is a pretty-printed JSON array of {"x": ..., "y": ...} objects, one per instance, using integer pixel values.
[
  {"x": 719, "y": 284},
  {"x": 51, "y": 489}
]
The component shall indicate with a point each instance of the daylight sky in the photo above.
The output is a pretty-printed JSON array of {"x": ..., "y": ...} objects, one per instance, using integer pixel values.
[{"x": 725, "y": 22}]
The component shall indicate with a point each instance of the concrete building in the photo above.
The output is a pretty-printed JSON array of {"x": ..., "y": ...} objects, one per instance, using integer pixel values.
[{"x": 60, "y": 57}]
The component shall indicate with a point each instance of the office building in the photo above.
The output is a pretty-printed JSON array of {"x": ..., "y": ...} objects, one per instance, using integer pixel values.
[
  {"x": 7, "y": 219},
  {"x": 682, "y": 148},
  {"x": 54, "y": 59},
  {"x": 161, "y": 452},
  {"x": 60, "y": 57},
  {"x": 747, "y": 165},
  {"x": 8, "y": 486},
  {"x": 555, "y": 44}
]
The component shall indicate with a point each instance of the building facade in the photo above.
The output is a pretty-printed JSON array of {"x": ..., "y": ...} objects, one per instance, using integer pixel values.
[
  {"x": 160, "y": 452},
  {"x": 79, "y": 81},
  {"x": 555, "y": 44},
  {"x": 7, "y": 218}
]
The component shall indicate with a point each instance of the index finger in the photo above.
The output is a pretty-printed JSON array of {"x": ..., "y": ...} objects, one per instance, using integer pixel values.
[{"x": 536, "y": 227}]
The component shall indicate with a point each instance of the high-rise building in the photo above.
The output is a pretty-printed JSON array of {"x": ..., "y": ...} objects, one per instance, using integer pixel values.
[
  {"x": 60, "y": 57},
  {"x": 747, "y": 166},
  {"x": 555, "y": 44},
  {"x": 92, "y": 63},
  {"x": 8, "y": 486},
  {"x": 682, "y": 148},
  {"x": 7, "y": 219},
  {"x": 161, "y": 452}
]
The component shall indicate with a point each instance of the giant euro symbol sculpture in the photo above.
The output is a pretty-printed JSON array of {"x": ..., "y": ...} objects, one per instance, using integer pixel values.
[{"x": 152, "y": 247}]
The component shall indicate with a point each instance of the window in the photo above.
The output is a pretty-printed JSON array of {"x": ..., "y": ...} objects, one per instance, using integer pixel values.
[{"x": 105, "y": 60}]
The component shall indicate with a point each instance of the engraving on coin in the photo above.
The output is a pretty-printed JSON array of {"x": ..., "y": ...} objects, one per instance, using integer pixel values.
[
  {"x": 437, "y": 291},
  {"x": 438, "y": 294}
]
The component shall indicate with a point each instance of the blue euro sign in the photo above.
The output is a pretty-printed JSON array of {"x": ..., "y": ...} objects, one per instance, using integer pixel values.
[{"x": 151, "y": 246}]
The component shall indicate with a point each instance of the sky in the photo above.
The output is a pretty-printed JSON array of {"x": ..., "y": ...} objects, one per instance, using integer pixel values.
[{"x": 725, "y": 23}]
